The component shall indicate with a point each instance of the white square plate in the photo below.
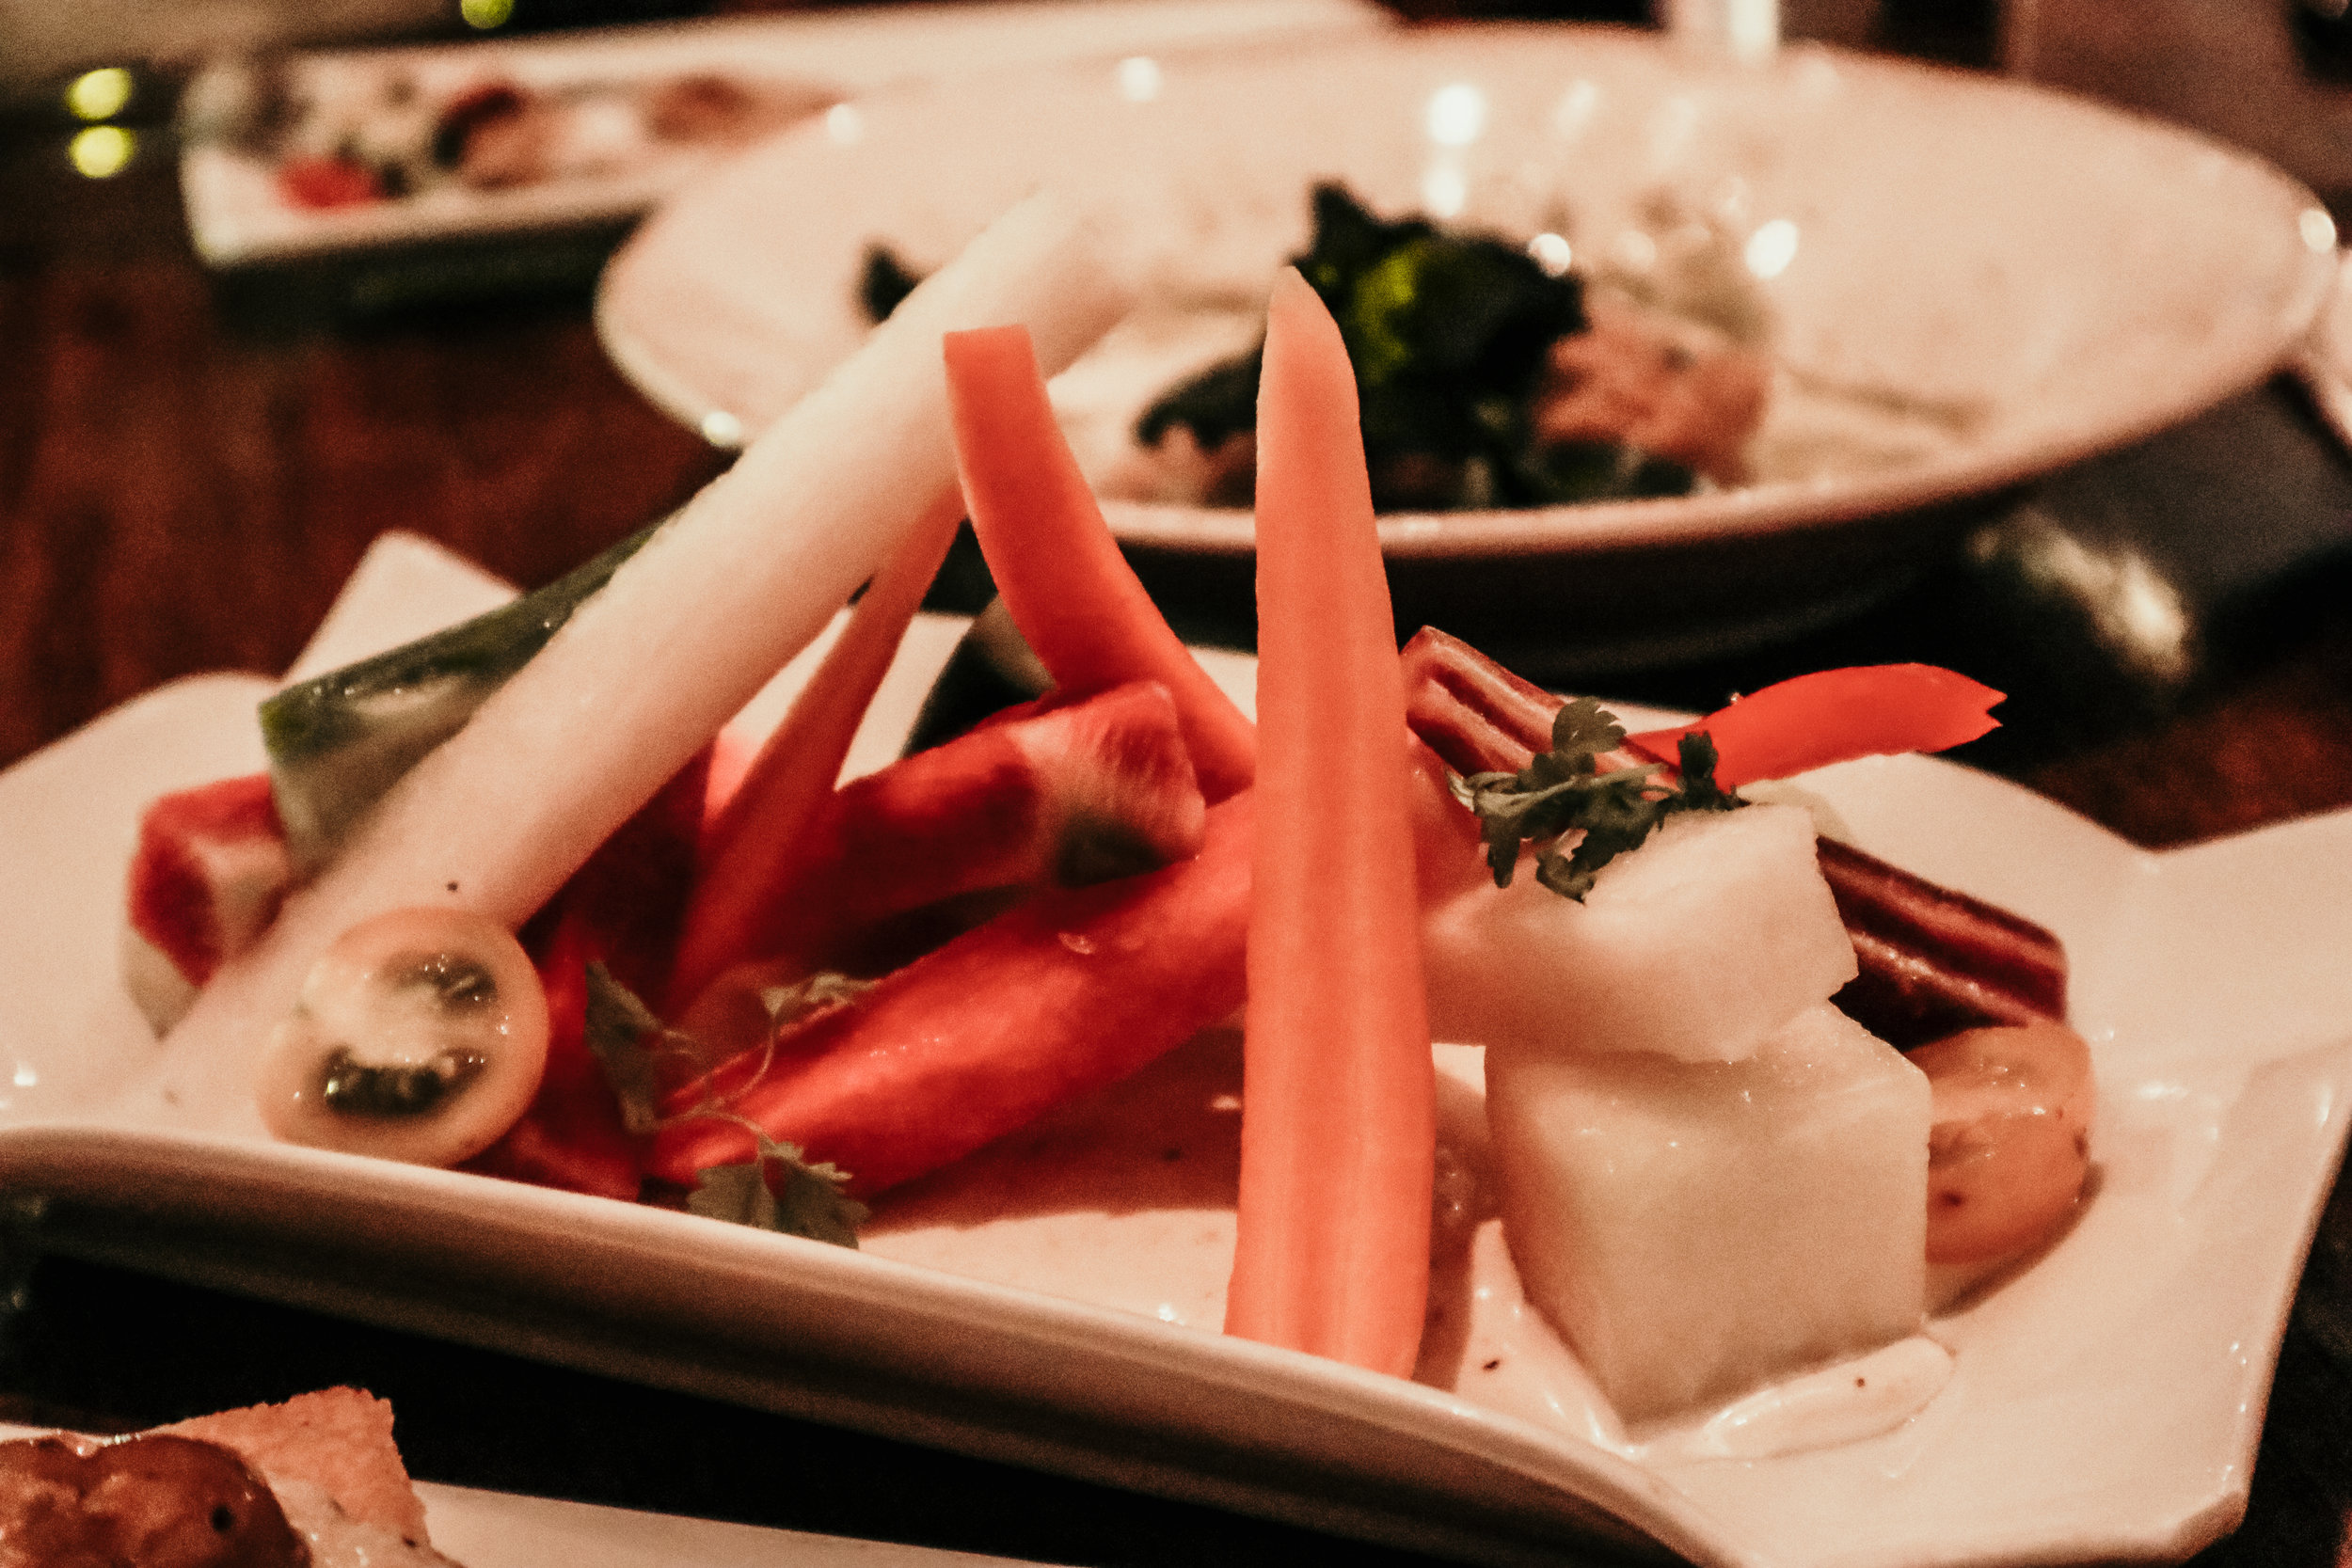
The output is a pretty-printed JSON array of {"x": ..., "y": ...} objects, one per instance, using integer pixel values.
[{"x": 2106, "y": 1401}]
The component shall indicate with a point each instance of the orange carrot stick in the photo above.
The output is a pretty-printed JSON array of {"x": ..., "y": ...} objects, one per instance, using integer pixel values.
[
  {"x": 1057, "y": 566},
  {"x": 750, "y": 847},
  {"x": 1338, "y": 1126}
]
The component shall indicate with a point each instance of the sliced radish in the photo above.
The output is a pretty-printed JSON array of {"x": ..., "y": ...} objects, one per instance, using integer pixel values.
[
  {"x": 206, "y": 880},
  {"x": 419, "y": 1036}
]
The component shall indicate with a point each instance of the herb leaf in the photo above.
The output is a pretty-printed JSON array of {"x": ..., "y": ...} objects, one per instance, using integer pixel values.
[
  {"x": 627, "y": 1040},
  {"x": 1579, "y": 818},
  {"x": 774, "y": 1189},
  {"x": 778, "y": 1190}
]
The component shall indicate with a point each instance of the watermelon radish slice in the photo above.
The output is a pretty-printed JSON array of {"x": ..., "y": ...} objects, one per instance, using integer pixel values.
[
  {"x": 206, "y": 880},
  {"x": 1058, "y": 795}
]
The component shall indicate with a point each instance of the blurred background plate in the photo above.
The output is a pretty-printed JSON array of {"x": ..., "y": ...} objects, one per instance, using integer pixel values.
[
  {"x": 623, "y": 115},
  {"x": 1967, "y": 283}
]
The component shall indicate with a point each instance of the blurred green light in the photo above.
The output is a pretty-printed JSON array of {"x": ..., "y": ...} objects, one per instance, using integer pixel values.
[
  {"x": 485, "y": 14},
  {"x": 98, "y": 94},
  {"x": 102, "y": 150}
]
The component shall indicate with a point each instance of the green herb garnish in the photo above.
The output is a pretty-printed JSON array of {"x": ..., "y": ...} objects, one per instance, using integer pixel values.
[
  {"x": 777, "y": 1189},
  {"x": 1563, "y": 796}
]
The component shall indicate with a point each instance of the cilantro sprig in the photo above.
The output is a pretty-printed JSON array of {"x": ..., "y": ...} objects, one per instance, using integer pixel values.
[
  {"x": 1579, "y": 815},
  {"x": 777, "y": 1188}
]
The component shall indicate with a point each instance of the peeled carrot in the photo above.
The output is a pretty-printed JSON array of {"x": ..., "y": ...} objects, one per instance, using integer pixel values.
[
  {"x": 1057, "y": 565},
  {"x": 1337, "y": 1125},
  {"x": 1074, "y": 990},
  {"x": 748, "y": 851},
  {"x": 1864, "y": 710}
]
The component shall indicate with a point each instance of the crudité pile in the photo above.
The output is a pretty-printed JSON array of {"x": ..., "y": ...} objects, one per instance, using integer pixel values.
[{"x": 762, "y": 994}]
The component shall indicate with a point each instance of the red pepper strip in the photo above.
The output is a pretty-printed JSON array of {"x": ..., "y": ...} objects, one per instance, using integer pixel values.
[
  {"x": 1062, "y": 995},
  {"x": 620, "y": 909},
  {"x": 1331, "y": 1256},
  {"x": 1865, "y": 710},
  {"x": 749, "y": 852},
  {"x": 1057, "y": 566},
  {"x": 572, "y": 1136}
]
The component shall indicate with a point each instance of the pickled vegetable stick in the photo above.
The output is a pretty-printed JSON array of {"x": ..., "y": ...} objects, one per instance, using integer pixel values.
[
  {"x": 790, "y": 783},
  {"x": 745, "y": 576},
  {"x": 1059, "y": 569},
  {"x": 1331, "y": 1251}
]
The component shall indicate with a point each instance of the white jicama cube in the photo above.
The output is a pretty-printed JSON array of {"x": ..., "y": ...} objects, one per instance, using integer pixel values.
[
  {"x": 1715, "y": 932},
  {"x": 1694, "y": 1228}
]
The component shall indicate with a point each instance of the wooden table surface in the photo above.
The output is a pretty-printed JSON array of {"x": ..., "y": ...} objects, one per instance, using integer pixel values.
[{"x": 188, "y": 472}]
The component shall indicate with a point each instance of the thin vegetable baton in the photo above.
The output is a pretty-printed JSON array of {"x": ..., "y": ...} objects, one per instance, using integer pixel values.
[
  {"x": 683, "y": 636},
  {"x": 1337, "y": 1119}
]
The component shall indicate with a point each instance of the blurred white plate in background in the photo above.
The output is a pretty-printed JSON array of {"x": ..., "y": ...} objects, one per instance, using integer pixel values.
[
  {"x": 1969, "y": 282},
  {"x": 239, "y": 212}
]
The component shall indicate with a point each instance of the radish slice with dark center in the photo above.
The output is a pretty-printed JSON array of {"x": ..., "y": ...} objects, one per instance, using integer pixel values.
[{"x": 419, "y": 1036}]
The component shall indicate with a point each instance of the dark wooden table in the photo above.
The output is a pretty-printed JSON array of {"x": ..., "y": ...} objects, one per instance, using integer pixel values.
[{"x": 187, "y": 471}]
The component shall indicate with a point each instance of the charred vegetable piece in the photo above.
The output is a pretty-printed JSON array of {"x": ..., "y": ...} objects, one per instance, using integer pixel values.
[
  {"x": 339, "y": 740},
  {"x": 419, "y": 1036},
  {"x": 1933, "y": 960}
]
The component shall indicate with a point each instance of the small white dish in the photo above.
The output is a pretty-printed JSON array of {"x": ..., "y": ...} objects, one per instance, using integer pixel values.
[
  {"x": 1972, "y": 282},
  {"x": 238, "y": 215},
  {"x": 1053, "y": 1301}
]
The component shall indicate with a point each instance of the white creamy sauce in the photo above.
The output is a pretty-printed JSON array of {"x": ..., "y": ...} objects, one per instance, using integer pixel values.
[
  {"x": 1126, "y": 1200},
  {"x": 1853, "y": 1400}
]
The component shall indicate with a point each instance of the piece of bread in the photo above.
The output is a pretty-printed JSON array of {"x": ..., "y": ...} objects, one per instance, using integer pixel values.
[
  {"x": 338, "y": 1439},
  {"x": 315, "y": 1480}
]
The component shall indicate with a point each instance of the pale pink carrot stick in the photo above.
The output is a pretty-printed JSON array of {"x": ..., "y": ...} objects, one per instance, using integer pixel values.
[
  {"x": 1057, "y": 565},
  {"x": 1338, "y": 1126},
  {"x": 748, "y": 851}
]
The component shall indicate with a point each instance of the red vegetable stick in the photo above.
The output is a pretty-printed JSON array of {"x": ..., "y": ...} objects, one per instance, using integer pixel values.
[
  {"x": 1060, "y": 995},
  {"x": 748, "y": 851},
  {"x": 1057, "y": 566},
  {"x": 1865, "y": 710},
  {"x": 619, "y": 909},
  {"x": 1080, "y": 793},
  {"x": 1338, "y": 1126}
]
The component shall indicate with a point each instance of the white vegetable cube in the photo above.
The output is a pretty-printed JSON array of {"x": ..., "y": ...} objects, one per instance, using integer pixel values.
[
  {"x": 1695, "y": 1227},
  {"x": 1715, "y": 932}
]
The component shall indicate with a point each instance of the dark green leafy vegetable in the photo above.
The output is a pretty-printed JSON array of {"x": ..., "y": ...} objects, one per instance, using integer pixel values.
[
  {"x": 1450, "y": 335},
  {"x": 1564, "y": 791}
]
